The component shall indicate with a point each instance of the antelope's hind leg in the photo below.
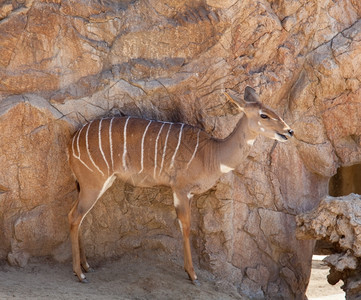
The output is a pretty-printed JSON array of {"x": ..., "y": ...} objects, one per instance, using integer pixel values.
[
  {"x": 86, "y": 200},
  {"x": 183, "y": 208},
  {"x": 83, "y": 262}
]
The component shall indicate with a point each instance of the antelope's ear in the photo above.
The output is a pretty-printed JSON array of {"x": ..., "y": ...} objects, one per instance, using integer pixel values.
[
  {"x": 235, "y": 99},
  {"x": 250, "y": 95}
]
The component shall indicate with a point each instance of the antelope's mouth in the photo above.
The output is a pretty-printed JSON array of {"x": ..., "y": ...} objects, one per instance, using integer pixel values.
[{"x": 282, "y": 136}]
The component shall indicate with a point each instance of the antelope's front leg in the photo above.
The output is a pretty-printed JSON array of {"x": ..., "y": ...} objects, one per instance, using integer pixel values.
[{"x": 182, "y": 206}]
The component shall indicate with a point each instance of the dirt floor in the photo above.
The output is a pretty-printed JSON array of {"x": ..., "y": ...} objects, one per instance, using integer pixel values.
[
  {"x": 319, "y": 288},
  {"x": 129, "y": 277}
]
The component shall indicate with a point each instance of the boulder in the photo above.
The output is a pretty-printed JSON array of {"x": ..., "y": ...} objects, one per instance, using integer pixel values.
[{"x": 337, "y": 220}]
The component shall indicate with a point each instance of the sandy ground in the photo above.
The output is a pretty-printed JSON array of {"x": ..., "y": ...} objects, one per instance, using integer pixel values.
[
  {"x": 318, "y": 287},
  {"x": 130, "y": 277}
]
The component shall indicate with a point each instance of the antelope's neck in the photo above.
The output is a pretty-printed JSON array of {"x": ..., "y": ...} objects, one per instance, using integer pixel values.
[{"x": 232, "y": 150}]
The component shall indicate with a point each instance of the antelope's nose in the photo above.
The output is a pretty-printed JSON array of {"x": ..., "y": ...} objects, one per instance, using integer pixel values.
[{"x": 290, "y": 131}]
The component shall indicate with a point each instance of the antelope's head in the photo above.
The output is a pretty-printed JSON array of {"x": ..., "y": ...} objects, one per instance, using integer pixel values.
[{"x": 261, "y": 120}]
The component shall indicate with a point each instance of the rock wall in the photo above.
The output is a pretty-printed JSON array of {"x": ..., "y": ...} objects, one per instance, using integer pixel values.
[{"x": 65, "y": 62}]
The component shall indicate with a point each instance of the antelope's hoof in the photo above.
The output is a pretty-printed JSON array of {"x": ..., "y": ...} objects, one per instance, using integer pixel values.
[
  {"x": 196, "y": 282},
  {"x": 87, "y": 269},
  {"x": 84, "y": 280}
]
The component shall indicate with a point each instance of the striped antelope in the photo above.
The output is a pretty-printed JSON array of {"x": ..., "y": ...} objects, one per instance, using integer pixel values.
[{"x": 149, "y": 153}]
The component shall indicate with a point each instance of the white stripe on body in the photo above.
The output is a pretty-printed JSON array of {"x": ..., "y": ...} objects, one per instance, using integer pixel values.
[
  {"x": 156, "y": 149},
  {"x": 87, "y": 148},
  {"x": 77, "y": 145},
  {"x": 195, "y": 150},
  {"x": 100, "y": 144},
  {"x": 176, "y": 201},
  {"x": 111, "y": 143},
  {"x": 142, "y": 148},
  {"x": 165, "y": 148},
  {"x": 125, "y": 143},
  {"x": 178, "y": 144}
]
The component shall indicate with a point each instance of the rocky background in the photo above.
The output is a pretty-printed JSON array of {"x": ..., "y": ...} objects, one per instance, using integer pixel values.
[{"x": 63, "y": 63}]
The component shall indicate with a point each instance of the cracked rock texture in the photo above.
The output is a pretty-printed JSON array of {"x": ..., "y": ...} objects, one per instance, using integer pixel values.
[
  {"x": 337, "y": 220},
  {"x": 65, "y": 62}
]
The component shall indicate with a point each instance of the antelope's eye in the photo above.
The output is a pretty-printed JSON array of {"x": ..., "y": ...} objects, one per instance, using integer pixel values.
[{"x": 263, "y": 116}]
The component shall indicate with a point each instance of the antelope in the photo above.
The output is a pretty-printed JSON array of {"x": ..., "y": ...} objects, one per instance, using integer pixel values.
[{"x": 149, "y": 153}]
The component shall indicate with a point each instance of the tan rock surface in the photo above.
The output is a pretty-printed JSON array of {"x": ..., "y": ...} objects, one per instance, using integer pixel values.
[{"x": 65, "y": 62}]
